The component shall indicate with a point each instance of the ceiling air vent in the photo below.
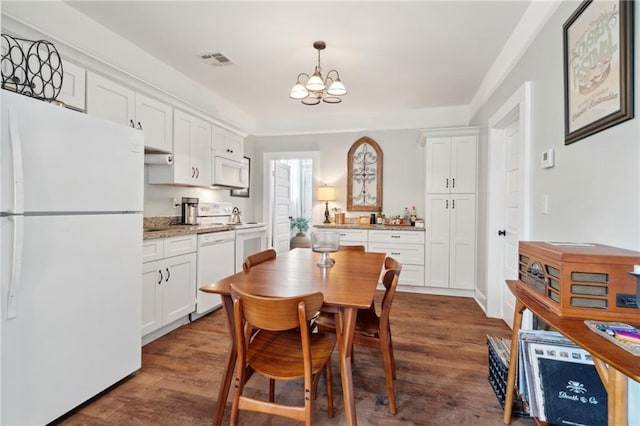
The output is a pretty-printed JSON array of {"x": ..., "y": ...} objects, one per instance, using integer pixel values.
[{"x": 215, "y": 59}]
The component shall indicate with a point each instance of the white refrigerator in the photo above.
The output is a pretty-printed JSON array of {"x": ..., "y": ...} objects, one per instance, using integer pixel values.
[{"x": 71, "y": 200}]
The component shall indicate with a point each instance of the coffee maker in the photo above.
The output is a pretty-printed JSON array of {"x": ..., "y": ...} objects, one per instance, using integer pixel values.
[{"x": 189, "y": 210}]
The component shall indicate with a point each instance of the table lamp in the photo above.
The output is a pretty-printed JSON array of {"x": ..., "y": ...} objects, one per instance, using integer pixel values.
[{"x": 326, "y": 193}]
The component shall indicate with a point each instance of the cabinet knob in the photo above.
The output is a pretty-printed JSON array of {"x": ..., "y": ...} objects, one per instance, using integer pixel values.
[{"x": 502, "y": 233}]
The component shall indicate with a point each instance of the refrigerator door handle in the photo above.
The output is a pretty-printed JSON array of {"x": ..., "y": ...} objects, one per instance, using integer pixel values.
[
  {"x": 16, "y": 267},
  {"x": 18, "y": 175}
]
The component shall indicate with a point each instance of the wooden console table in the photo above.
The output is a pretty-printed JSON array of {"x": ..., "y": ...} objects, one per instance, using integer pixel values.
[{"x": 613, "y": 363}]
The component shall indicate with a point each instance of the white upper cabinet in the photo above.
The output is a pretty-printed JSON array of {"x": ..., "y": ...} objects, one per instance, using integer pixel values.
[
  {"x": 74, "y": 79},
  {"x": 451, "y": 163},
  {"x": 226, "y": 144},
  {"x": 191, "y": 154},
  {"x": 110, "y": 100},
  {"x": 155, "y": 119},
  {"x": 120, "y": 104}
]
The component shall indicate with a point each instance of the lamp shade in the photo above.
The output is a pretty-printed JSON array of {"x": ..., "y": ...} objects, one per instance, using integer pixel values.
[
  {"x": 326, "y": 193},
  {"x": 315, "y": 83},
  {"x": 337, "y": 89},
  {"x": 298, "y": 92}
]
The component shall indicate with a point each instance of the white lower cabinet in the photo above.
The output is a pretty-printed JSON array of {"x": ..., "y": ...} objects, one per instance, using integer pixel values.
[
  {"x": 353, "y": 237},
  {"x": 169, "y": 281},
  {"x": 450, "y": 241},
  {"x": 407, "y": 247}
]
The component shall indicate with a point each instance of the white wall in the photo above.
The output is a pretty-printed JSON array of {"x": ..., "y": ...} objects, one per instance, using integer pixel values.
[
  {"x": 403, "y": 173},
  {"x": 594, "y": 189}
]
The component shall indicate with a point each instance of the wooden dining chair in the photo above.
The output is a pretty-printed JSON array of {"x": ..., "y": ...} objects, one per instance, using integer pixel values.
[
  {"x": 351, "y": 248},
  {"x": 374, "y": 330},
  {"x": 258, "y": 258},
  {"x": 282, "y": 349}
]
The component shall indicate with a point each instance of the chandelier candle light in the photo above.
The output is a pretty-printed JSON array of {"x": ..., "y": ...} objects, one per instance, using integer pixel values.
[{"x": 315, "y": 88}]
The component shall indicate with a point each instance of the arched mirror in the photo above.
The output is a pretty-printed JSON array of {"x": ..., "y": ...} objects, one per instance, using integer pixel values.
[{"x": 364, "y": 176}]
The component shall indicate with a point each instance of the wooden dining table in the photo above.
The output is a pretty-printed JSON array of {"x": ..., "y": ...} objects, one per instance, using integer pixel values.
[{"x": 347, "y": 286}]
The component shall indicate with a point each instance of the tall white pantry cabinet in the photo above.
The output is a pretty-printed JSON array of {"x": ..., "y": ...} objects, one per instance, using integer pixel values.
[{"x": 450, "y": 209}]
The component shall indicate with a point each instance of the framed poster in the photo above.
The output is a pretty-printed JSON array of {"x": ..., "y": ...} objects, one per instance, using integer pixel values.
[
  {"x": 598, "y": 67},
  {"x": 244, "y": 192}
]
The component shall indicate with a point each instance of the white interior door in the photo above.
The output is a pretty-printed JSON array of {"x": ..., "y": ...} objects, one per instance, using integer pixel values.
[
  {"x": 508, "y": 198},
  {"x": 511, "y": 229},
  {"x": 282, "y": 196}
]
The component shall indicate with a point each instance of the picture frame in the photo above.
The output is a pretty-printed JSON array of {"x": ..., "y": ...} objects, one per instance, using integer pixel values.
[
  {"x": 364, "y": 220},
  {"x": 364, "y": 176},
  {"x": 244, "y": 192},
  {"x": 598, "y": 67}
]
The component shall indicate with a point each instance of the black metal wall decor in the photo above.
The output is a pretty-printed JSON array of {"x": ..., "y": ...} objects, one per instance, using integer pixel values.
[{"x": 31, "y": 68}]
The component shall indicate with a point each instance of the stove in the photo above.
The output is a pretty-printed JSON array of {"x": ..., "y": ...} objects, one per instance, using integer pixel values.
[{"x": 220, "y": 214}]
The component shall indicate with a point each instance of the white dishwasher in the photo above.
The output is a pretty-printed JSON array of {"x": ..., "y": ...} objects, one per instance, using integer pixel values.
[{"x": 216, "y": 259}]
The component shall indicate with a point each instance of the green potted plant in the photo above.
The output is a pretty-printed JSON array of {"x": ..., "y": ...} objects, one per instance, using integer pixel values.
[{"x": 300, "y": 239}]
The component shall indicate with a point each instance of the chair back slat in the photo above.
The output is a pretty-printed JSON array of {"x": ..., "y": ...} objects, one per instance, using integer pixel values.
[
  {"x": 390, "y": 282},
  {"x": 391, "y": 263},
  {"x": 276, "y": 314},
  {"x": 257, "y": 258},
  {"x": 351, "y": 248}
]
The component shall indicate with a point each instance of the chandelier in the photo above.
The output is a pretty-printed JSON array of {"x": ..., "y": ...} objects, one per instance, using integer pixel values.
[{"x": 315, "y": 88}]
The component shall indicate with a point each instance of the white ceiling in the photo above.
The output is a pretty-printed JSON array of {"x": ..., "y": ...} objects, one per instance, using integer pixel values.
[{"x": 391, "y": 55}]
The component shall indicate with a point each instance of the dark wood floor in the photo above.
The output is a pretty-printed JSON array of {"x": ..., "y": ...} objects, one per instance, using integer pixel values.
[{"x": 441, "y": 357}]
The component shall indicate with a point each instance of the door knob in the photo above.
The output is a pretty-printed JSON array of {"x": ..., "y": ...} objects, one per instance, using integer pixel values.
[{"x": 502, "y": 233}]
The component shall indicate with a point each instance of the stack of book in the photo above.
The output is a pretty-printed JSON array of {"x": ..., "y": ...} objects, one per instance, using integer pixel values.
[
  {"x": 559, "y": 380},
  {"x": 624, "y": 335}
]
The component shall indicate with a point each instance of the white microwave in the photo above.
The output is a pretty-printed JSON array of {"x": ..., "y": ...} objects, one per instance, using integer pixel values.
[{"x": 229, "y": 173}]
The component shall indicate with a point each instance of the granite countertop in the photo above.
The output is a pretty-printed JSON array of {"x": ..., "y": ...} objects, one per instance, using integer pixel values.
[
  {"x": 163, "y": 227},
  {"x": 368, "y": 226}
]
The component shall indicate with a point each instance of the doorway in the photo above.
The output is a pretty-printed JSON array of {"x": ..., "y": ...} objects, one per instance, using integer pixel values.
[
  {"x": 508, "y": 198},
  {"x": 291, "y": 177}
]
